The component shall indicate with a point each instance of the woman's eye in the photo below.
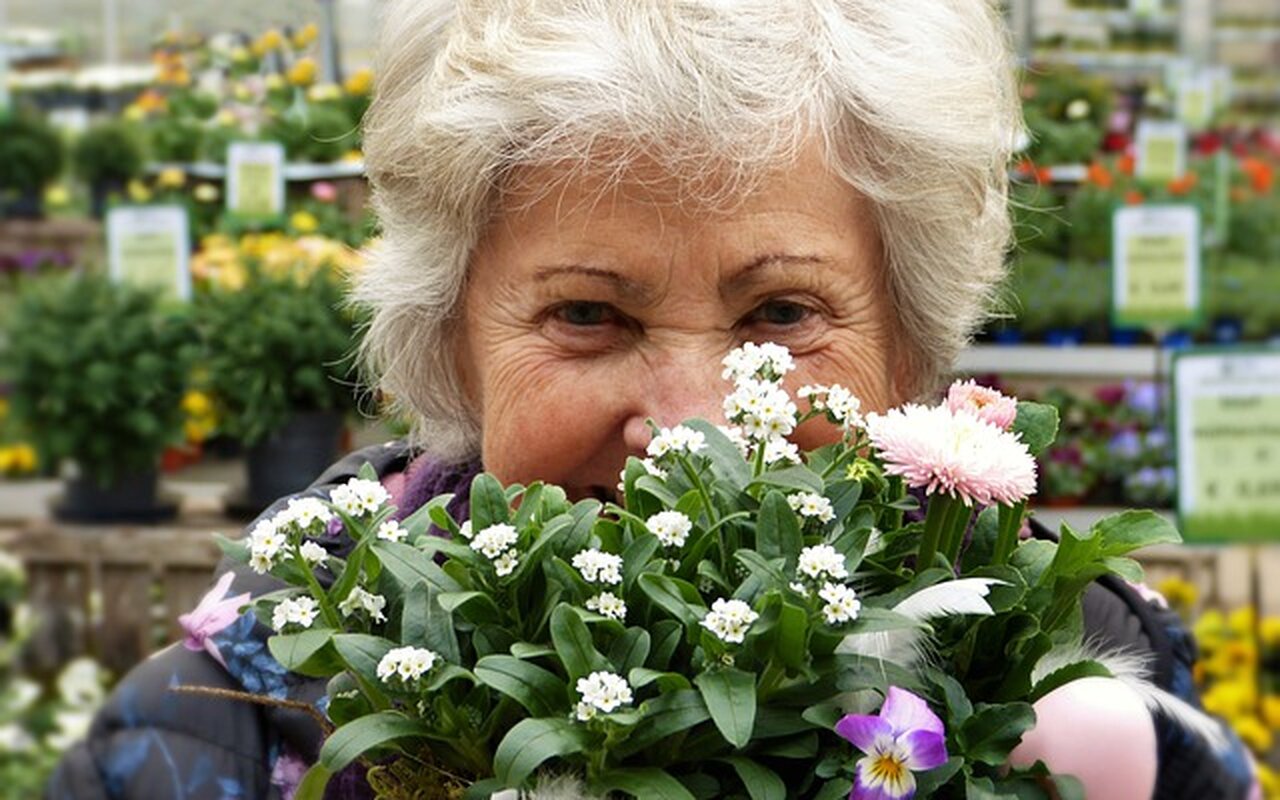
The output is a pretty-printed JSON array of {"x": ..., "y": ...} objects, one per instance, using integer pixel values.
[
  {"x": 584, "y": 313},
  {"x": 780, "y": 312}
]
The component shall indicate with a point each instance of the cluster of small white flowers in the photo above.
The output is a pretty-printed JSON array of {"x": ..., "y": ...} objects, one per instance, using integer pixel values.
[
  {"x": 770, "y": 361},
  {"x": 842, "y": 603},
  {"x": 671, "y": 527},
  {"x": 814, "y": 506},
  {"x": 780, "y": 449},
  {"x": 358, "y": 497},
  {"x": 737, "y": 438},
  {"x": 464, "y": 530},
  {"x": 729, "y": 620},
  {"x": 675, "y": 441},
  {"x": 799, "y": 588},
  {"x": 763, "y": 410},
  {"x": 836, "y": 401},
  {"x": 495, "y": 540},
  {"x": 608, "y": 604},
  {"x": 497, "y": 543},
  {"x": 303, "y": 512},
  {"x": 650, "y": 466},
  {"x": 406, "y": 663},
  {"x": 392, "y": 531},
  {"x": 300, "y": 611},
  {"x": 313, "y": 553},
  {"x": 599, "y": 567},
  {"x": 361, "y": 600},
  {"x": 266, "y": 543},
  {"x": 602, "y": 692},
  {"x": 822, "y": 561}
]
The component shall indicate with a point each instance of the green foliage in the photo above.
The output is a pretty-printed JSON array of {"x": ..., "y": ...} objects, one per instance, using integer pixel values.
[
  {"x": 110, "y": 151},
  {"x": 98, "y": 373},
  {"x": 319, "y": 132},
  {"x": 31, "y": 153},
  {"x": 276, "y": 347}
]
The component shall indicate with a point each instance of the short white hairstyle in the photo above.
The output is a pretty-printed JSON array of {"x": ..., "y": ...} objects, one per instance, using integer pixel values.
[{"x": 913, "y": 101}]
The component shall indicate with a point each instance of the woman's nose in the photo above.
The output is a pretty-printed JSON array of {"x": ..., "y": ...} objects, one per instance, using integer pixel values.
[{"x": 673, "y": 393}]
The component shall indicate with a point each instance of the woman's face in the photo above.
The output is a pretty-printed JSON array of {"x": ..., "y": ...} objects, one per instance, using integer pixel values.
[{"x": 589, "y": 310}]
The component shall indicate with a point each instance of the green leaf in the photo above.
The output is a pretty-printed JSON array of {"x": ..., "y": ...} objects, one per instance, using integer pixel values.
[
  {"x": 304, "y": 652},
  {"x": 424, "y": 623},
  {"x": 835, "y": 789},
  {"x": 976, "y": 788},
  {"x": 959, "y": 707},
  {"x": 643, "y": 783},
  {"x": 488, "y": 503},
  {"x": 360, "y": 736},
  {"x": 726, "y": 459},
  {"x": 929, "y": 782},
  {"x": 778, "y": 530},
  {"x": 629, "y": 650},
  {"x": 1063, "y": 675},
  {"x": 730, "y": 695},
  {"x": 1132, "y": 530},
  {"x": 531, "y": 743},
  {"x": 994, "y": 730},
  {"x": 760, "y": 782},
  {"x": 795, "y": 477},
  {"x": 540, "y": 691},
  {"x": 573, "y": 643},
  {"x": 1037, "y": 425},
  {"x": 477, "y": 608},
  {"x": 636, "y": 557},
  {"x": 362, "y": 652},
  {"x": 419, "y": 521},
  {"x": 665, "y": 716},
  {"x": 875, "y": 620},
  {"x": 768, "y": 571},
  {"x": 678, "y": 598},
  {"x": 641, "y": 677},
  {"x": 409, "y": 565},
  {"x": 1126, "y": 568},
  {"x": 526, "y": 650},
  {"x": 367, "y": 472},
  {"x": 666, "y": 635},
  {"x": 313, "y": 783}
]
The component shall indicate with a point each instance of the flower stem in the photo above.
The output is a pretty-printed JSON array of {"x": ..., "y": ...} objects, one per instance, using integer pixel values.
[
  {"x": 935, "y": 523},
  {"x": 696, "y": 480},
  {"x": 956, "y": 525},
  {"x": 327, "y": 610},
  {"x": 1010, "y": 524}
]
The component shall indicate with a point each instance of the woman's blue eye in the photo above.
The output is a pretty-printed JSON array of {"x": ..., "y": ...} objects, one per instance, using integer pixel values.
[
  {"x": 585, "y": 313},
  {"x": 780, "y": 312}
]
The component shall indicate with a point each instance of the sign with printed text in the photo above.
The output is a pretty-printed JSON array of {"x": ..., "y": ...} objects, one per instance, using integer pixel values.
[
  {"x": 1156, "y": 263},
  {"x": 1161, "y": 151},
  {"x": 1227, "y": 419},
  {"x": 255, "y": 179},
  {"x": 1144, "y": 8},
  {"x": 1220, "y": 78},
  {"x": 1197, "y": 100},
  {"x": 149, "y": 247}
]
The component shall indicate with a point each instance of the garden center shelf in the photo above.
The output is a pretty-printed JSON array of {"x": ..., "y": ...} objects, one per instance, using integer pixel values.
[
  {"x": 1082, "y": 361},
  {"x": 293, "y": 171}
]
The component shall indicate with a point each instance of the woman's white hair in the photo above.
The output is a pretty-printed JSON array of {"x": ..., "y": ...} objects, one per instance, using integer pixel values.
[{"x": 914, "y": 102}]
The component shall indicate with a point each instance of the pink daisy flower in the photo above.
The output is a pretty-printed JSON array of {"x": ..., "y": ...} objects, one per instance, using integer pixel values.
[
  {"x": 957, "y": 454},
  {"x": 986, "y": 404}
]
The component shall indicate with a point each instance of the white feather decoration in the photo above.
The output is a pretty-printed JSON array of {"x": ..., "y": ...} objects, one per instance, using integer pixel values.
[{"x": 905, "y": 645}]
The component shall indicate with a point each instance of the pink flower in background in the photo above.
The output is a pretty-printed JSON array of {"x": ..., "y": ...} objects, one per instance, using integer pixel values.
[
  {"x": 215, "y": 612},
  {"x": 987, "y": 404},
  {"x": 905, "y": 737},
  {"x": 957, "y": 454},
  {"x": 324, "y": 191}
]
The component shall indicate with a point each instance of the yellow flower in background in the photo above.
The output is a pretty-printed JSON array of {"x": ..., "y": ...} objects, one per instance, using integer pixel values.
[
  {"x": 323, "y": 92},
  {"x": 240, "y": 54},
  {"x": 352, "y": 156},
  {"x": 171, "y": 178},
  {"x": 206, "y": 193},
  {"x": 1269, "y": 780},
  {"x": 57, "y": 196},
  {"x": 1269, "y": 631},
  {"x": 1243, "y": 621},
  {"x": 6, "y": 461},
  {"x": 1251, "y": 730},
  {"x": 1182, "y": 594},
  {"x": 274, "y": 82},
  {"x": 303, "y": 72},
  {"x": 304, "y": 222},
  {"x": 138, "y": 191},
  {"x": 271, "y": 40},
  {"x": 1271, "y": 711},
  {"x": 306, "y": 35},
  {"x": 226, "y": 118},
  {"x": 17, "y": 459},
  {"x": 1210, "y": 629},
  {"x": 1230, "y": 699},
  {"x": 360, "y": 82},
  {"x": 201, "y": 419},
  {"x": 134, "y": 113}
]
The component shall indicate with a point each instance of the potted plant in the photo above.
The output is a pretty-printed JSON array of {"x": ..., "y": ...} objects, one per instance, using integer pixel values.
[
  {"x": 98, "y": 372},
  {"x": 30, "y": 157},
  {"x": 107, "y": 157},
  {"x": 278, "y": 347}
]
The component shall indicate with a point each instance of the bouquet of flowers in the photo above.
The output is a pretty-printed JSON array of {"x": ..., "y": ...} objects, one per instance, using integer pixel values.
[{"x": 861, "y": 620}]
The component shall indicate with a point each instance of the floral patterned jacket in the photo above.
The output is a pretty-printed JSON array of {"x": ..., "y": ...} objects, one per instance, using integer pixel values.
[{"x": 151, "y": 742}]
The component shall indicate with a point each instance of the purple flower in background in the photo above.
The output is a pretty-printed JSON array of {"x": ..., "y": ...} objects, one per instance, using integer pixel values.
[
  {"x": 1126, "y": 444},
  {"x": 1143, "y": 397},
  {"x": 905, "y": 737},
  {"x": 215, "y": 612},
  {"x": 1157, "y": 440}
]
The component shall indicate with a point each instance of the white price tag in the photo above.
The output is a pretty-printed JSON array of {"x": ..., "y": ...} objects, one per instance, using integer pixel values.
[
  {"x": 149, "y": 246},
  {"x": 255, "y": 179}
]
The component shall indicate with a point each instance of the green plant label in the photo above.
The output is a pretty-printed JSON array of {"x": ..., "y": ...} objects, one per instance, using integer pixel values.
[
  {"x": 1227, "y": 407},
  {"x": 148, "y": 247},
  {"x": 1156, "y": 266},
  {"x": 1197, "y": 101},
  {"x": 1161, "y": 151},
  {"x": 255, "y": 179},
  {"x": 1144, "y": 8}
]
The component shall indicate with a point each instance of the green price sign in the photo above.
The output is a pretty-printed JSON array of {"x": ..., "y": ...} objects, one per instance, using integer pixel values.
[
  {"x": 1227, "y": 422},
  {"x": 1161, "y": 151},
  {"x": 148, "y": 246},
  {"x": 1155, "y": 266},
  {"x": 255, "y": 179}
]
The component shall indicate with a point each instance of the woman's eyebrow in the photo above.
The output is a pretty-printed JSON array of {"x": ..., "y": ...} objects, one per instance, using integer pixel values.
[
  {"x": 622, "y": 285},
  {"x": 748, "y": 273}
]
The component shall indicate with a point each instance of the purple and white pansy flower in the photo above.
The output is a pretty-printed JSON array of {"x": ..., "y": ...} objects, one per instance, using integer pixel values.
[{"x": 904, "y": 738}]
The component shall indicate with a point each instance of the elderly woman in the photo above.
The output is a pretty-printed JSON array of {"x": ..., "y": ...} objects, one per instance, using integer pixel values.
[{"x": 585, "y": 205}]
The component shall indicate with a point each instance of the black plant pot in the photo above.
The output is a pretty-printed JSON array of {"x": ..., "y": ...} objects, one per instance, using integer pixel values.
[
  {"x": 289, "y": 459},
  {"x": 100, "y": 192},
  {"x": 27, "y": 205},
  {"x": 132, "y": 497}
]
